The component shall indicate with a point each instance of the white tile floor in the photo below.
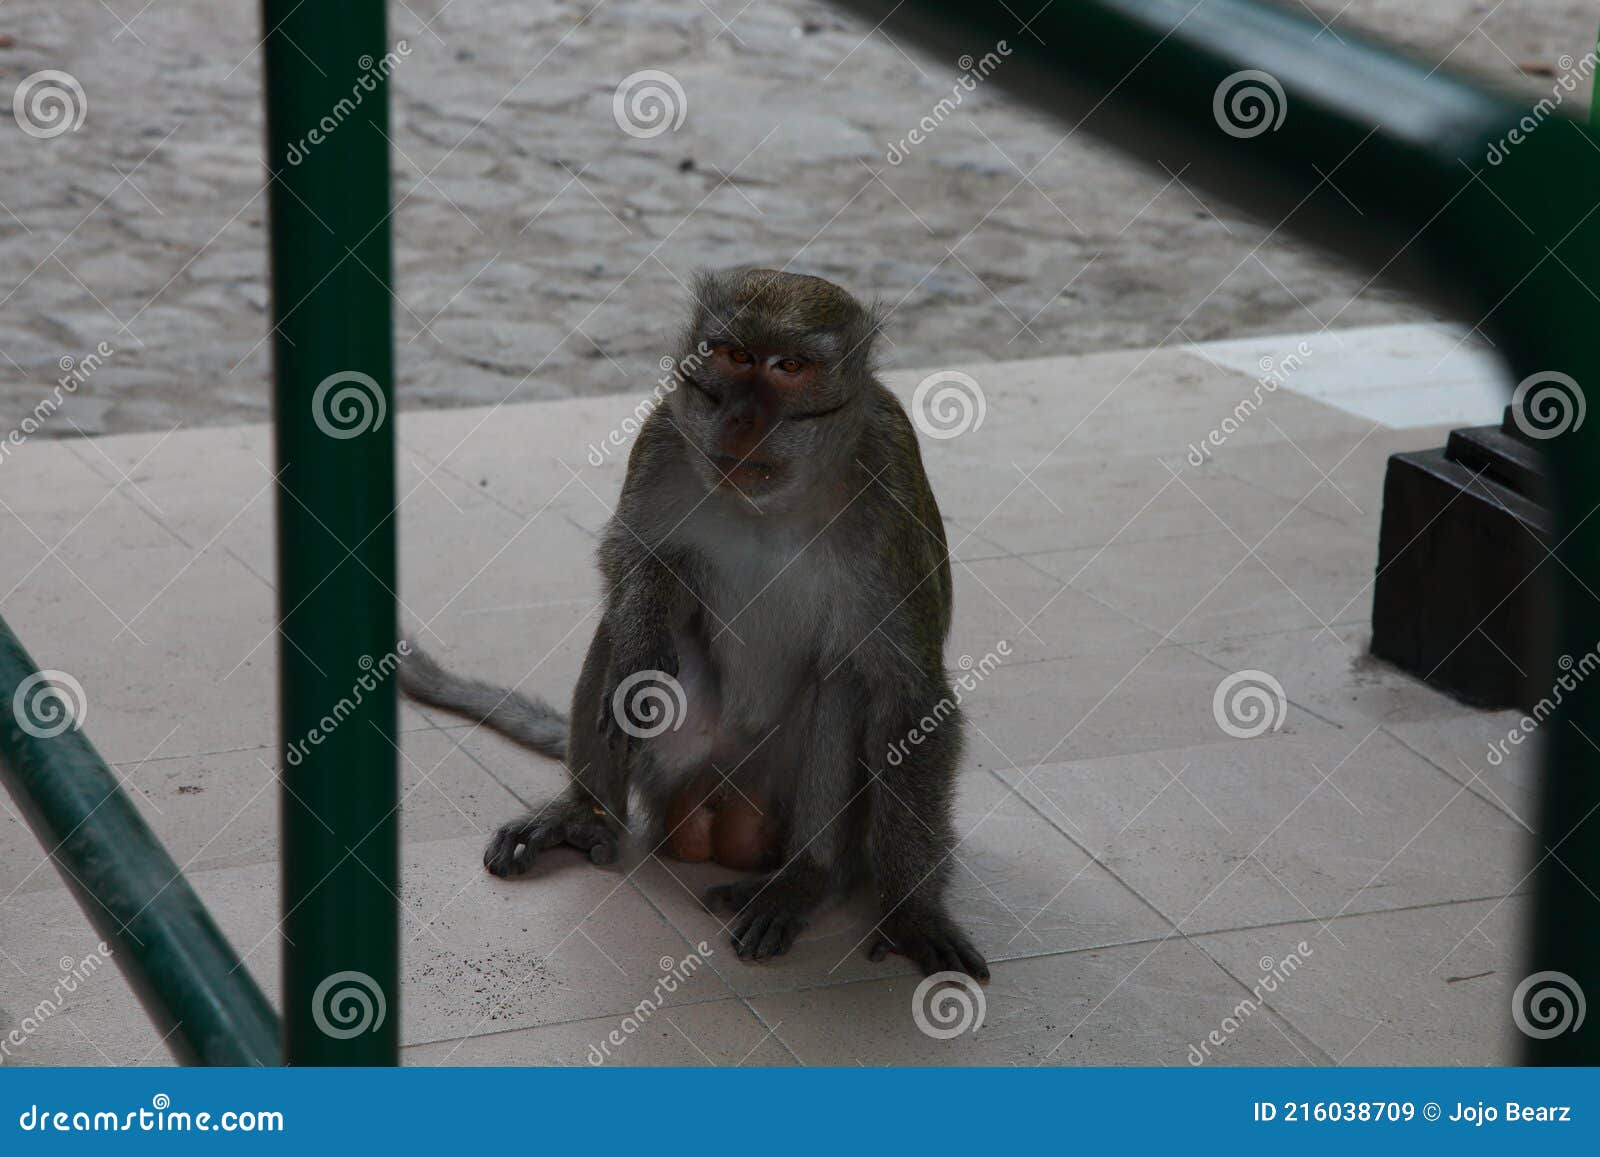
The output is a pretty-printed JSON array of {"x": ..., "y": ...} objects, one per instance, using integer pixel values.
[{"x": 1132, "y": 869}]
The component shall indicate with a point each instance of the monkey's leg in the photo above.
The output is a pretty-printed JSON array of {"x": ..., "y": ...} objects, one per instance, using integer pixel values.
[
  {"x": 816, "y": 767},
  {"x": 744, "y": 833},
  {"x": 690, "y": 821},
  {"x": 910, "y": 837}
]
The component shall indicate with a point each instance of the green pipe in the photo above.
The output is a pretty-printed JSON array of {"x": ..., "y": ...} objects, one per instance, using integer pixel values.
[
  {"x": 202, "y": 1001},
  {"x": 327, "y": 150},
  {"x": 1594, "y": 94},
  {"x": 1405, "y": 172}
]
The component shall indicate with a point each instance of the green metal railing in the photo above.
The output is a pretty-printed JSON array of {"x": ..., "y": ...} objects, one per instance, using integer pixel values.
[
  {"x": 1510, "y": 247},
  {"x": 336, "y": 519},
  {"x": 187, "y": 976}
]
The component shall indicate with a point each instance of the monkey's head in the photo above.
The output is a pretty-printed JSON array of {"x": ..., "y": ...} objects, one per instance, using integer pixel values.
[{"x": 776, "y": 371}]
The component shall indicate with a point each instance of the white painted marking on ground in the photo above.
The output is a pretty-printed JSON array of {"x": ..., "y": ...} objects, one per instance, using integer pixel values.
[{"x": 1400, "y": 375}]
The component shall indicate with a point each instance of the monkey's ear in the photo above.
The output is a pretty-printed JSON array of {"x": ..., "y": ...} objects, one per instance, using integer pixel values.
[
  {"x": 877, "y": 311},
  {"x": 874, "y": 318}
]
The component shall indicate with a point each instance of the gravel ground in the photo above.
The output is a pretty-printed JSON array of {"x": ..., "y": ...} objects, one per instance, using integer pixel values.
[{"x": 540, "y": 250}]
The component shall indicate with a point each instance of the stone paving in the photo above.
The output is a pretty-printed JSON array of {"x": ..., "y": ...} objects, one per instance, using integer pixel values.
[{"x": 540, "y": 250}]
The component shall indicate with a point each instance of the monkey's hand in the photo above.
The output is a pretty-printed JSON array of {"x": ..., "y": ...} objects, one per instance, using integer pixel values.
[
  {"x": 769, "y": 911},
  {"x": 932, "y": 940},
  {"x": 568, "y": 820},
  {"x": 640, "y": 686}
]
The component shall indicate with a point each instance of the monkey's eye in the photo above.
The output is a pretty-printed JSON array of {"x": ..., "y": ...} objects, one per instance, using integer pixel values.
[
  {"x": 740, "y": 357},
  {"x": 790, "y": 365}
]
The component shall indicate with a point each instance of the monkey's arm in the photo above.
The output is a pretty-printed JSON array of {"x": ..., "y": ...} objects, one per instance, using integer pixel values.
[{"x": 648, "y": 581}]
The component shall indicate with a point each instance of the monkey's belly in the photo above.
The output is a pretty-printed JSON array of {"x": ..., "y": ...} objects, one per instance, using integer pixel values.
[{"x": 706, "y": 821}]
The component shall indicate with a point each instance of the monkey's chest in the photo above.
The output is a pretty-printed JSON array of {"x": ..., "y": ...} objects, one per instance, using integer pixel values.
[{"x": 772, "y": 625}]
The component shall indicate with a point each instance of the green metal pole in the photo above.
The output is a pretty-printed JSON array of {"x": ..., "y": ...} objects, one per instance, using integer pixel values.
[
  {"x": 1594, "y": 94},
  {"x": 190, "y": 981},
  {"x": 327, "y": 150}
]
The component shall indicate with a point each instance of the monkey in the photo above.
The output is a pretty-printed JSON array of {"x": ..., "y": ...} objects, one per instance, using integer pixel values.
[{"x": 777, "y": 597}]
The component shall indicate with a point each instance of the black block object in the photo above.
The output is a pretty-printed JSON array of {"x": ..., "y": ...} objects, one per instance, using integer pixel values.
[{"x": 1460, "y": 599}]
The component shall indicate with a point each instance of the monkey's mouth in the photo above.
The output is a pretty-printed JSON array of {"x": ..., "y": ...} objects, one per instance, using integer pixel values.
[{"x": 744, "y": 471}]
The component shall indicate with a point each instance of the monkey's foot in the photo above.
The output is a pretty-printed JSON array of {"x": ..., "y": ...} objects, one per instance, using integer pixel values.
[
  {"x": 769, "y": 914},
  {"x": 932, "y": 942},
  {"x": 512, "y": 849}
]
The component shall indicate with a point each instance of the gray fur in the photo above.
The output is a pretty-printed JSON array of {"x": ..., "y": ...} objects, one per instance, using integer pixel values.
[{"x": 529, "y": 721}]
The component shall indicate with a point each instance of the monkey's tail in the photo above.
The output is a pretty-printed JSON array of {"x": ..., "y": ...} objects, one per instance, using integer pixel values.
[{"x": 529, "y": 721}]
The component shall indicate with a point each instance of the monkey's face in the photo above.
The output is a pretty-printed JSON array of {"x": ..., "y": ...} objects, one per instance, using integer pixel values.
[
  {"x": 773, "y": 372},
  {"x": 760, "y": 417}
]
